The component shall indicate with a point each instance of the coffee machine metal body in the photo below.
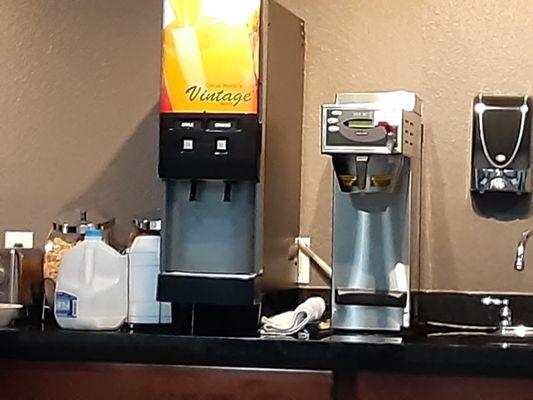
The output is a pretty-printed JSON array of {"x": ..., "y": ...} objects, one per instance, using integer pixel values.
[
  {"x": 230, "y": 156},
  {"x": 375, "y": 140}
]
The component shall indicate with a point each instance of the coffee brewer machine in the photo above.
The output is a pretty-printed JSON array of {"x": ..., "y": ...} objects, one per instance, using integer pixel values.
[
  {"x": 501, "y": 144},
  {"x": 375, "y": 142},
  {"x": 229, "y": 150}
]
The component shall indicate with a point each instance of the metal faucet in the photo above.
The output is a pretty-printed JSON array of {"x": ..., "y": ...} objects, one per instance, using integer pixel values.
[
  {"x": 506, "y": 315},
  {"x": 519, "y": 264}
]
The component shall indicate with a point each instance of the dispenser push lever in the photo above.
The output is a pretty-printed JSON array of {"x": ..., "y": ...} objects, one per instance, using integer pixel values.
[
  {"x": 519, "y": 263},
  {"x": 193, "y": 191},
  {"x": 227, "y": 191},
  {"x": 361, "y": 163}
]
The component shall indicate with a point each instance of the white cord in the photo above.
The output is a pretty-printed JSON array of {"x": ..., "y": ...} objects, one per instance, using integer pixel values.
[
  {"x": 480, "y": 111},
  {"x": 324, "y": 266}
]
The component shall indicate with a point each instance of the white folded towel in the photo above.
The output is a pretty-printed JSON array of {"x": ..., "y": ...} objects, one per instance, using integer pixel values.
[{"x": 291, "y": 322}]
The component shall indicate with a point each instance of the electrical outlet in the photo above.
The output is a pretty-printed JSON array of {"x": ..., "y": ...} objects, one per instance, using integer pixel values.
[{"x": 12, "y": 238}]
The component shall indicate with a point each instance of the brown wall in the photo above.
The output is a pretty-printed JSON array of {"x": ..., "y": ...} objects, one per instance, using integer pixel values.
[
  {"x": 446, "y": 51},
  {"x": 80, "y": 81},
  {"x": 79, "y": 85}
]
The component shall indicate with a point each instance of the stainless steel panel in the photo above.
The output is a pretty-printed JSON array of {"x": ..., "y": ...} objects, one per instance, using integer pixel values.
[
  {"x": 209, "y": 235},
  {"x": 370, "y": 236},
  {"x": 282, "y": 85}
]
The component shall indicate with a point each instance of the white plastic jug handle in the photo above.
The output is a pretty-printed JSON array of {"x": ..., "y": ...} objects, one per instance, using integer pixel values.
[{"x": 88, "y": 271}]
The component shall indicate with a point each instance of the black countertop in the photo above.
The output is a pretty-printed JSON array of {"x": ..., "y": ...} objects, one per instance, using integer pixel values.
[{"x": 478, "y": 355}]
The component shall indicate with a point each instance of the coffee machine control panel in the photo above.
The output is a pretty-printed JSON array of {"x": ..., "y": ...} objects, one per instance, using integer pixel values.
[
  {"x": 349, "y": 129},
  {"x": 209, "y": 146}
]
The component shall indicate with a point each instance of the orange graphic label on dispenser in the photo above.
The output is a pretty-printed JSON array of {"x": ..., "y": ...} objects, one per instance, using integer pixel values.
[{"x": 210, "y": 56}]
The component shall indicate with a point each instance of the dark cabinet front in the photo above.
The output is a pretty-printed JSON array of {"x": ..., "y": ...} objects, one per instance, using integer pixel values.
[{"x": 84, "y": 381}]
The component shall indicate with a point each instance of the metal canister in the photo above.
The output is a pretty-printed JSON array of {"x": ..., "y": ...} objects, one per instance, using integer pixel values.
[
  {"x": 147, "y": 226},
  {"x": 67, "y": 230},
  {"x": 9, "y": 275}
]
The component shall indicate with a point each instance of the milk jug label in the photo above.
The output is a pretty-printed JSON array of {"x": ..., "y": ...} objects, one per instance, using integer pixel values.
[{"x": 66, "y": 305}]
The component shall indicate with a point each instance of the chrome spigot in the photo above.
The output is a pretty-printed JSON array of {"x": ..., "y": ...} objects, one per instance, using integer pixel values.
[
  {"x": 506, "y": 315},
  {"x": 519, "y": 263}
]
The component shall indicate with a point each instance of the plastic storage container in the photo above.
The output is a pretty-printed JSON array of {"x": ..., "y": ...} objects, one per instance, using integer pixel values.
[
  {"x": 144, "y": 267},
  {"x": 92, "y": 286},
  {"x": 67, "y": 230}
]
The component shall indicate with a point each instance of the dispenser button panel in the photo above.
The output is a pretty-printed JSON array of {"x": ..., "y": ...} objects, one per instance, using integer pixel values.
[{"x": 209, "y": 146}]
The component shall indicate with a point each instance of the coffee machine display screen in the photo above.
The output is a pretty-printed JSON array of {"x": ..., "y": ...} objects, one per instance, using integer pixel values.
[{"x": 359, "y": 123}]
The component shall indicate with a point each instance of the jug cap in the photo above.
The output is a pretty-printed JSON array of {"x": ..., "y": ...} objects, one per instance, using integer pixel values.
[{"x": 93, "y": 233}]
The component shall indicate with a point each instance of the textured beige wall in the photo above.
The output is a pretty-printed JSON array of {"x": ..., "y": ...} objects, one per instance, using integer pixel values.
[
  {"x": 79, "y": 82},
  {"x": 446, "y": 51}
]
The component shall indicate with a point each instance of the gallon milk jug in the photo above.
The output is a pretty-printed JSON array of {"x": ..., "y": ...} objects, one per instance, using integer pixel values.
[{"x": 92, "y": 286}]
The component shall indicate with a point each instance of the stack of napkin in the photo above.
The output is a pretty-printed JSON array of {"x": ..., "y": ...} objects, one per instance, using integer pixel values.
[{"x": 291, "y": 322}]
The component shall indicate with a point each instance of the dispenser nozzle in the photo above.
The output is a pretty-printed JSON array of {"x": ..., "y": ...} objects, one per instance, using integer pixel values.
[
  {"x": 361, "y": 163},
  {"x": 227, "y": 191},
  {"x": 519, "y": 263},
  {"x": 193, "y": 191}
]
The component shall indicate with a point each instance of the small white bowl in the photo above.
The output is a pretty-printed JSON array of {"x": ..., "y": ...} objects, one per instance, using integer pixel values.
[{"x": 8, "y": 312}]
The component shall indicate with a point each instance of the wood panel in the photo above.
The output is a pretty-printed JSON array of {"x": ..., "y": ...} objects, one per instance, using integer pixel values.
[
  {"x": 388, "y": 386},
  {"x": 87, "y": 381}
]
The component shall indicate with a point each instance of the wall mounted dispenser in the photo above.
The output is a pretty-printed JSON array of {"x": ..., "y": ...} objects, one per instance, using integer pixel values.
[
  {"x": 502, "y": 144},
  {"x": 501, "y": 182}
]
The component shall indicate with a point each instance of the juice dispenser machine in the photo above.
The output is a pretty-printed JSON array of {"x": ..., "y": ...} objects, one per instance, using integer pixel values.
[
  {"x": 375, "y": 142},
  {"x": 229, "y": 150}
]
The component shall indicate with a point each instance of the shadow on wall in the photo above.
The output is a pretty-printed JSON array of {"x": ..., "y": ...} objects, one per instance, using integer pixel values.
[
  {"x": 430, "y": 249},
  {"x": 129, "y": 185},
  {"x": 321, "y": 223}
]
